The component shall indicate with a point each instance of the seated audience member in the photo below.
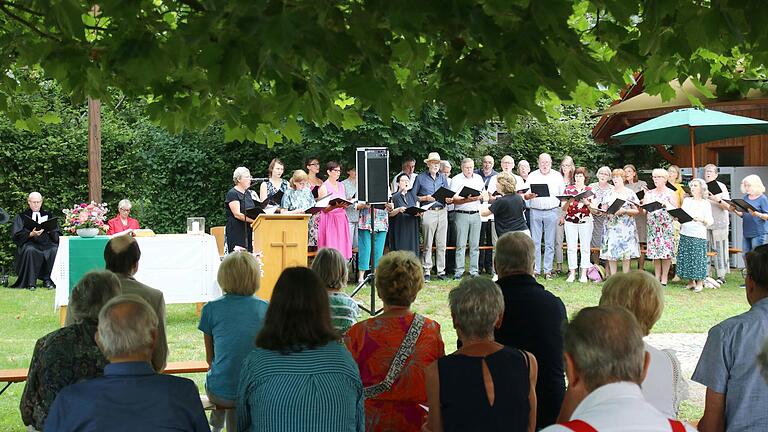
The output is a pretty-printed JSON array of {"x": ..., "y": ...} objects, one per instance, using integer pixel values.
[
  {"x": 35, "y": 249},
  {"x": 121, "y": 256},
  {"x": 396, "y": 403},
  {"x": 230, "y": 325},
  {"x": 484, "y": 385},
  {"x": 763, "y": 360},
  {"x": 736, "y": 395},
  {"x": 640, "y": 293},
  {"x": 605, "y": 362},
  {"x": 130, "y": 396},
  {"x": 299, "y": 377},
  {"x": 331, "y": 266},
  {"x": 533, "y": 320},
  {"x": 69, "y": 354},
  {"x": 122, "y": 221}
]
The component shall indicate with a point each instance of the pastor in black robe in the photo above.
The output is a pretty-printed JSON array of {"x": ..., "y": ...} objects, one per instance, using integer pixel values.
[{"x": 34, "y": 255}]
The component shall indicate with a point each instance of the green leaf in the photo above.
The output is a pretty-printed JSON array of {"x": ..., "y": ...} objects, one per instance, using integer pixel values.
[
  {"x": 351, "y": 120},
  {"x": 50, "y": 118},
  {"x": 291, "y": 130}
]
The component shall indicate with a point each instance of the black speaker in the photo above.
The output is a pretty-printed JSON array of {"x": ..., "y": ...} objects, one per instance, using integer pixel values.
[{"x": 373, "y": 174}]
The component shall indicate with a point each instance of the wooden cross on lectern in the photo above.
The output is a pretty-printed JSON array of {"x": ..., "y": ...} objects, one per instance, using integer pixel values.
[{"x": 284, "y": 245}]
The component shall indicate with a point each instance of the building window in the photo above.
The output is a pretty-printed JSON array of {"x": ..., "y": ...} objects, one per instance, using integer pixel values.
[{"x": 730, "y": 157}]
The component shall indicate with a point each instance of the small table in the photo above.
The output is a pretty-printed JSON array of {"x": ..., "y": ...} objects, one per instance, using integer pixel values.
[{"x": 182, "y": 266}]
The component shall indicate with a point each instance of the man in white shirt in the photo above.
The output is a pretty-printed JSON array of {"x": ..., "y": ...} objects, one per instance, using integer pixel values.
[
  {"x": 545, "y": 213},
  {"x": 409, "y": 168},
  {"x": 717, "y": 233},
  {"x": 467, "y": 217},
  {"x": 488, "y": 174},
  {"x": 605, "y": 362}
]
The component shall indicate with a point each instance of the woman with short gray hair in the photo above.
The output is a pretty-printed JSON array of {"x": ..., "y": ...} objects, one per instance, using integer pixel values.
[
  {"x": 237, "y": 233},
  {"x": 483, "y": 385},
  {"x": 122, "y": 222},
  {"x": 69, "y": 354}
]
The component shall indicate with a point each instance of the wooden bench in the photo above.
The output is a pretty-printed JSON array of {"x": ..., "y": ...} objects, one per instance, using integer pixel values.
[{"x": 10, "y": 376}]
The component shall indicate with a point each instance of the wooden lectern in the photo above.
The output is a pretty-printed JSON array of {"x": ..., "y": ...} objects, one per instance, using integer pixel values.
[{"x": 282, "y": 240}]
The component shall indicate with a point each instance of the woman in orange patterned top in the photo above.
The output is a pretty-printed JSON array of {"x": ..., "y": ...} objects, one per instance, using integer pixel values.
[{"x": 395, "y": 391}]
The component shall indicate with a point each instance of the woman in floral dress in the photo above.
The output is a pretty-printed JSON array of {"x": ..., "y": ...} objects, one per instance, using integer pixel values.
[
  {"x": 600, "y": 188},
  {"x": 661, "y": 229},
  {"x": 619, "y": 231}
]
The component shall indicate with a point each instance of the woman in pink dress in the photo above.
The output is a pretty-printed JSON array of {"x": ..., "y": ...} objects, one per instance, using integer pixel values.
[
  {"x": 122, "y": 222},
  {"x": 333, "y": 228}
]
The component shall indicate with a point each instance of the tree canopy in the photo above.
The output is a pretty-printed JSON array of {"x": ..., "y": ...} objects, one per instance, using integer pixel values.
[{"x": 260, "y": 66}]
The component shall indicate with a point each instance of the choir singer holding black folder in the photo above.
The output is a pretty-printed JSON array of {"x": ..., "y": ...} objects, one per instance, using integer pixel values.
[
  {"x": 36, "y": 234},
  {"x": 239, "y": 199},
  {"x": 467, "y": 187}
]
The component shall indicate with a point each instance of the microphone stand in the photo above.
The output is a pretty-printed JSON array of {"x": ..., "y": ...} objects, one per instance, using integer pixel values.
[{"x": 370, "y": 279}]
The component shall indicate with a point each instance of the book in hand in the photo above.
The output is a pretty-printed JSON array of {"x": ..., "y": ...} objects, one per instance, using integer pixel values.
[
  {"x": 254, "y": 212},
  {"x": 276, "y": 199},
  {"x": 640, "y": 194},
  {"x": 47, "y": 225},
  {"x": 741, "y": 205},
  {"x": 681, "y": 215},
  {"x": 443, "y": 193},
  {"x": 414, "y": 211},
  {"x": 652, "y": 206},
  {"x": 714, "y": 187},
  {"x": 540, "y": 189},
  {"x": 468, "y": 192},
  {"x": 615, "y": 206},
  {"x": 577, "y": 197},
  {"x": 522, "y": 191},
  {"x": 328, "y": 201},
  {"x": 565, "y": 197},
  {"x": 671, "y": 187},
  {"x": 687, "y": 190}
]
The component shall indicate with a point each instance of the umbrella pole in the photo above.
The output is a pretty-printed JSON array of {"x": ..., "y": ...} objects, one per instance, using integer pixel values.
[{"x": 692, "y": 133}]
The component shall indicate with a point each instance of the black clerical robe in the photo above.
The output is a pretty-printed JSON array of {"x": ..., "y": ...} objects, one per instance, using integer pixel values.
[{"x": 34, "y": 255}]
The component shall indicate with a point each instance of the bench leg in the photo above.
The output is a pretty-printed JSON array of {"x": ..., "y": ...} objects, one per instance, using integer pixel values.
[
  {"x": 8, "y": 384},
  {"x": 62, "y": 315}
]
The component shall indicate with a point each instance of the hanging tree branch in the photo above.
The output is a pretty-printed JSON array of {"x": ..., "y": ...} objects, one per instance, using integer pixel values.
[
  {"x": 20, "y": 7},
  {"x": 27, "y": 24}
]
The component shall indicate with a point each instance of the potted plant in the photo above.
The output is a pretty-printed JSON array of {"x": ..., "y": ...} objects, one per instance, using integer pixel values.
[{"x": 86, "y": 220}]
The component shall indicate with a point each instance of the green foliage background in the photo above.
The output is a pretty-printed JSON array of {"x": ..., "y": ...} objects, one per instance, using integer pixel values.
[{"x": 170, "y": 177}]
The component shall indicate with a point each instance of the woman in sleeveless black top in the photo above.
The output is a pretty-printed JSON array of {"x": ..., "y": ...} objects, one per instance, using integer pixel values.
[{"x": 484, "y": 385}]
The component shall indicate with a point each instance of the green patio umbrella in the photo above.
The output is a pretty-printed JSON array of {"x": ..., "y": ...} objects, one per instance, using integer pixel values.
[{"x": 691, "y": 126}]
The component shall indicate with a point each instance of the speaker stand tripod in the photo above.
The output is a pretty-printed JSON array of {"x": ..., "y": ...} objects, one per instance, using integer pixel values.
[{"x": 369, "y": 280}]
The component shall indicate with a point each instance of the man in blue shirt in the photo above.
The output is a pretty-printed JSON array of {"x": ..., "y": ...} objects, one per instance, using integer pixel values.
[
  {"x": 130, "y": 396},
  {"x": 434, "y": 222},
  {"x": 737, "y": 396}
]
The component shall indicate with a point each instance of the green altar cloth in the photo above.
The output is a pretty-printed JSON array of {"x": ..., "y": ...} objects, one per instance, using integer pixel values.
[{"x": 85, "y": 254}]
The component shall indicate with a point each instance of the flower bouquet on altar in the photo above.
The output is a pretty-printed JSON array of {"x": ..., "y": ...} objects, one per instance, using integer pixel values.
[{"x": 86, "y": 220}]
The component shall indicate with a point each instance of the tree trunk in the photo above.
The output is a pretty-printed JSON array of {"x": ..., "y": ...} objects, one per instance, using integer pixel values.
[{"x": 94, "y": 150}]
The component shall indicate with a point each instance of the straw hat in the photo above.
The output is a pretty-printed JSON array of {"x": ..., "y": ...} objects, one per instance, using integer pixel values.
[{"x": 433, "y": 156}]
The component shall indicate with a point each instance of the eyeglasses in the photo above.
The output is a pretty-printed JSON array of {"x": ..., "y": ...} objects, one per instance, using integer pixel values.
[
  {"x": 744, "y": 273},
  {"x": 336, "y": 170},
  {"x": 125, "y": 210},
  {"x": 314, "y": 164}
]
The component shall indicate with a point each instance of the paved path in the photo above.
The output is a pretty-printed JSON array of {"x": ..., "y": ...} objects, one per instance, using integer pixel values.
[{"x": 688, "y": 348}]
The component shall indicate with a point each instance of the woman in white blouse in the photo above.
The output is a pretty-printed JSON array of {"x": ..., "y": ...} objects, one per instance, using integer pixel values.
[
  {"x": 638, "y": 291},
  {"x": 692, "y": 252}
]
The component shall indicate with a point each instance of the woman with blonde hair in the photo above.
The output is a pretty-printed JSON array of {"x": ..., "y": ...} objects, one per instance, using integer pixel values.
[
  {"x": 754, "y": 227},
  {"x": 297, "y": 198},
  {"x": 661, "y": 230},
  {"x": 509, "y": 209},
  {"x": 332, "y": 269},
  {"x": 601, "y": 188},
  {"x": 394, "y": 384},
  {"x": 636, "y": 185},
  {"x": 664, "y": 385},
  {"x": 230, "y": 325},
  {"x": 619, "y": 231}
]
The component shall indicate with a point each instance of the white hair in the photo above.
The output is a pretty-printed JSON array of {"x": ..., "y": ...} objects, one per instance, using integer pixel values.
[
  {"x": 124, "y": 204},
  {"x": 755, "y": 185},
  {"x": 127, "y": 324},
  {"x": 702, "y": 185},
  {"x": 239, "y": 173}
]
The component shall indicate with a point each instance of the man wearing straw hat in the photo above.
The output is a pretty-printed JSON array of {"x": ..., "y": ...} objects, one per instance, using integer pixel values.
[{"x": 434, "y": 222}]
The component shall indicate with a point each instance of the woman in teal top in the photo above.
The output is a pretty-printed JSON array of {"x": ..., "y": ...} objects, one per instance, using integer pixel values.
[
  {"x": 230, "y": 325},
  {"x": 299, "y": 377}
]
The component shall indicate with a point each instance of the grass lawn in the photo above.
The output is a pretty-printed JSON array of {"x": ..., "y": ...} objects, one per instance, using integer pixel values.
[{"x": 25, "y": 316}]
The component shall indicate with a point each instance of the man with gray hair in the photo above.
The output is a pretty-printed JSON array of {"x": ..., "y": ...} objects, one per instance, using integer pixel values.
[
  {"x": 69, "y": 354},
  {"x": 130, "y": 396},
  {"x": 545, "y": 214},
  {"x": 36, "y": 245},
  {"x": 605, "y": 362},
  {"x": 533, "y": 320},
  {"x": 467, "y": 211},
  {"x": 737, "y": 396},
  {"x": 717, "y": 232}
]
